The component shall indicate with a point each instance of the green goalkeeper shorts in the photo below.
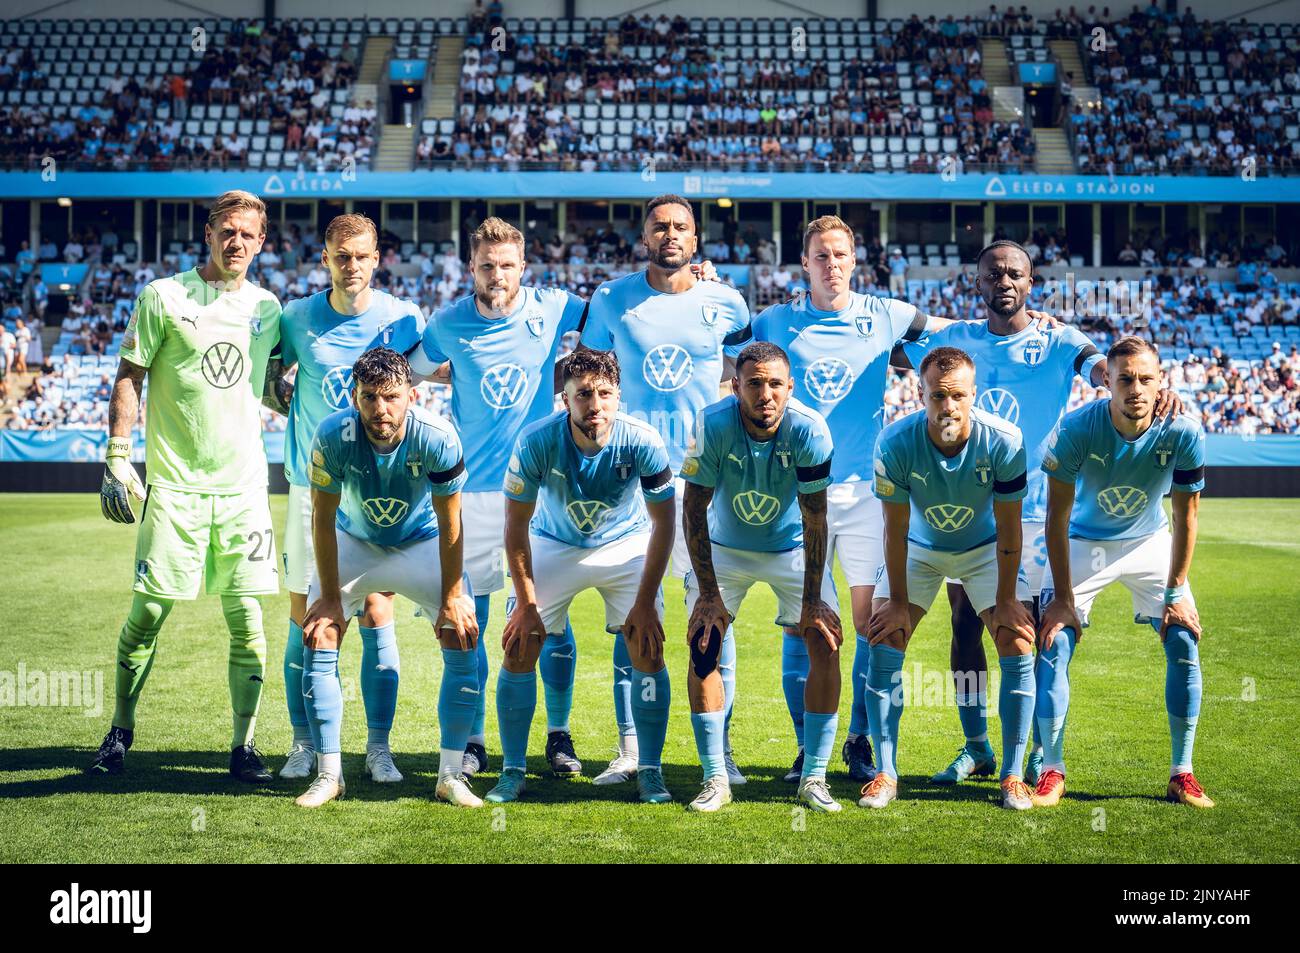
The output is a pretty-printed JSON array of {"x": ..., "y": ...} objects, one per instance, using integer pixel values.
[{"x": 187, "y": 538}]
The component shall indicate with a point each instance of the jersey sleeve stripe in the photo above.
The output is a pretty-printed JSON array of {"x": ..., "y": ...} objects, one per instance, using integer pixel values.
[
  {"x": 582, "y": 321},
  {"x": 658, "y": 480},
  {"x": 1014, "y": 485},
  {"x": 917, "y": 327},
  {"x": 1188, "y": 477},
  {"x": 739, "y": 337},
  {"x": 814, "y": 473},
  {"x": 446, "y": 476},
  {"x": 1082, "y": 357}
]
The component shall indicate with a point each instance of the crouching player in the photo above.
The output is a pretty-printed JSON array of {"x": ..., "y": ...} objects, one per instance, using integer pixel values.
[
  {"x": 951, "y": 478},
  {"x": 586, "y": 464},
  {"x": 1120, "y": 460},
  {"x": 386, "y": 480},
  {"x": 752, "y": 455}
]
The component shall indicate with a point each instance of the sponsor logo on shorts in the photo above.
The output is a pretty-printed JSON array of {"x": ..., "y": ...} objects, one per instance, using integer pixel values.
[
  {"x": 828, "y": 379},
  {"x": 223, "y": 365},
  {"x": 503, "y": 385},
  {"x": 949, "y": 517},
  {"x": 384, "y": 511},
  {"x": 1122, "y": 502},
  {"x": 587, "y": 515},
  {"x": 667, "y": 367},
  {"x": 755, "y": 508}
]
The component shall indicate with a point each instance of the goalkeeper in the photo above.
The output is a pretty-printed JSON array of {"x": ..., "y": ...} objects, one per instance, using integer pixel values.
[{"x": 202, "y": 338}]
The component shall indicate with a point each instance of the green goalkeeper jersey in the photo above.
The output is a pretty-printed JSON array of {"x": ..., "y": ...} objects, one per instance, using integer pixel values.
[{"x": 206, "y": 352}]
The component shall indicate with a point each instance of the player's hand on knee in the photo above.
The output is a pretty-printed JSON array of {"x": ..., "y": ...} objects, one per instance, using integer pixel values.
[
  {"x": 644, "y": 631},
  {"x": 1180, "y": 613},
  {"x": 120, "y": 483},
  {"x": 524, "y": 622},
  {"x": 709, "y": 620},
  {"x": 1012, "y": 615},
  {"x": 323, "y": 614},
  {"x": 892, "y": 616},
  {"x": 1057, "y": 615},
  {"x": 820, "y": 620},
  {"x": 457, "y": 614}
]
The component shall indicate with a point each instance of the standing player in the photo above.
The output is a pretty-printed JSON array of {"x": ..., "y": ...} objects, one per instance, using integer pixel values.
[
  {"x": 501, "y": 342},
  {"x": 1121, "y": 460},
  {"x": 203, "y": 339},
  {"x": 1023, "y": 372},
  {"x": 753, "y": 454},
  {"x": 951, "y": 479},
  {"x": 324, "y": 335},
  {"x": 587, "y": 462},
  {"x": 668, "y": 328},
  {"x": 386, "y": 518}
]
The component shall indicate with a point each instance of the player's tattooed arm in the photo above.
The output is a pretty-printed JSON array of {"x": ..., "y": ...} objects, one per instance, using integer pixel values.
[
  {"x": 1059, "y": 611},
  {"x": 443, "y": 374},
  {"x": 277, "y": 394},
  {"x": 457, "y": 610},
  {"x": 1180, "y": 611},
  {"x": 524, "y": 631},
  {"x": 124, "y": 404},
  {"x": 695, "y": 528},
  {"x": 817, "y": 615}
]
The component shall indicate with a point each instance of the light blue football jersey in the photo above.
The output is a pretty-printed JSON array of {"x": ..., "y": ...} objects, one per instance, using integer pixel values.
[
  {"x": 502, "y": 372},
  {"x": 325, "y": 344},
  {"x": 588, "y": 501},
  {"x": 669, "y": 348},
  {"x": 755, "y": 503},
  {"x": 951, "y": 497},
  {"x": 1024, "y": 378},
  {"x": 1119, "y": 483},
  {"x": 387, "y": 497},
  {"x": 839, "y": 362}
]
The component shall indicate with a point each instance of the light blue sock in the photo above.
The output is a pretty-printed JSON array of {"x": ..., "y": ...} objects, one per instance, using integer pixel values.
[
  {"x": 516, "y": 703},
  {"x": 727, "y": 669},
  {"x": 293, "y": 683},
  {"x": 482, "y": 605},
  {"x": 379, "y": 678},
  {"x": 794, "y": 674},
  {"x": 820, "y": 731},
  {"x": 1182, "y": 695},
  {"x": 972, "y": 711},
  {"x": 885, "y": 705},
  {"x": 322, "y": 697},
  {"x": 650, "y": 697},
  {"x": 558, "y": 660},
  {"x": 623, "y": 704},
  {"x": 858, "y": 724},
  {"x": 1016, "y": 709},
  {"x": 457, "y": 698},
  {"x": 1052, "y": 678},
  {"x": 709, "y": 726}
]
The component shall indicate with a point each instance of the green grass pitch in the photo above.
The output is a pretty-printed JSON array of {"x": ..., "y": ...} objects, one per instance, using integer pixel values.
[{"x": 66, "y": 589}]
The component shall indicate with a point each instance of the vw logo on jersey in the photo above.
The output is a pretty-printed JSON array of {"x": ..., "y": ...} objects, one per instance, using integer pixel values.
[
  {"x": 863, "y": 323},
  {"x": 587, "y": 515},
  {"x": 1000, "y": 403},
  {"x": 667, "y": 367},
  {"x": 535, "y": 324},
  {"x": 828, "y": 379},
  {"x": 709, "y": 314},
  {"x": 949, "y": 517},
  {"x": 1034, "y": 351},
  {"x": 336, "y": 386},
  {"x": 755, "y": 508},
  {"x": 1122, "y": 502},
  {"x": 223, "y": 365},
  {"x": 503, "y": 385},
  {"x": 384, "y": 511}
]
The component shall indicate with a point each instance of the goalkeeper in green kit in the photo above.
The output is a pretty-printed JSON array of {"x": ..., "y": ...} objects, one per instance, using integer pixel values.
[{"x": 202, "y": 338}]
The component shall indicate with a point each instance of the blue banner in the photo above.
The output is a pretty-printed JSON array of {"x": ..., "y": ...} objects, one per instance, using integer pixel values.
[
  {"x": 1246, "y": 450},
  {"x": 87, "y": 446},
  {"x": 643, "y": 185},
  {"x": 407, "y": 71},
  {"x": 60, "y": 274},
  {"x": 1037, "y": 73}
]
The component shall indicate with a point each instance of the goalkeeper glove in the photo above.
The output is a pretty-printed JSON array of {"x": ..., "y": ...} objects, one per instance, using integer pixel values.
[{"x": 121, "y": 482}]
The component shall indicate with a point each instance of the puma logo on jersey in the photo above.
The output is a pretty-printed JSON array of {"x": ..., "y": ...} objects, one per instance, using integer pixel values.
[
  {"x": 1101, "y": 460},
  {"x": 193, "y": 322},
  {"x": 738, "y": 460},
  {"x": 916, "y": 476},
  {"x": 560, "y": 473}
]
